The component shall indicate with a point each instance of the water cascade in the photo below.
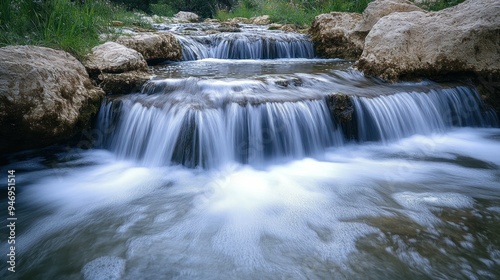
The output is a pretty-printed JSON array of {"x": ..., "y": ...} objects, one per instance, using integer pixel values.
[
  {"x": 246, "y": 46},
  {"x": 251, "y": 159}
]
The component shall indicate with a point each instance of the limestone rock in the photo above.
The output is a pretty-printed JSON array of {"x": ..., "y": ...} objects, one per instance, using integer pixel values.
[
  {"x": 154, "y": 46},
  {"x": 331, "y": 35},
  {"x": 342, "y": 35},
  {"x": 463, "y": 38},
  {"x": 123, "y": 83},
  {"x": 187, "y": 17},
  {"x": 261, "y": 20},
  {"x": 380, "y": 8},
  {"x": 46, "y": 96},
  {"x": 112, "y": 57}
]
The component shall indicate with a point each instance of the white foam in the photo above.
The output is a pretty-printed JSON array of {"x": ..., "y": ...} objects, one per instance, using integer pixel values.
[{"x": 104, "y": 268}]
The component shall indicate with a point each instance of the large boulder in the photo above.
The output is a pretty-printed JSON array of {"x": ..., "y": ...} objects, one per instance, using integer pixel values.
[
  {"x": 464, "y": 38},
  {"x": 154, "y": 47},
  {"x": 46, "y": 96},
  {"x": 342, "y": 35},
  {"x": 380, "y": 8},
  {"x": 116, "y": 68},
  {"x": 187, "y": 17},
  {"x": 331, "y": 35}
]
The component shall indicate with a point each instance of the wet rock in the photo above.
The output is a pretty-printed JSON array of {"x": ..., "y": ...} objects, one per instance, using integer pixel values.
[
  {"x": 46, "y": 97},
  {"x": 154, "y": 47},
  {"x": 275, "y": 26},
  {"x": 463, "y": 38},
  {"x": 290, "y": 28},
  {"x": 342, "y": 112},
  {"x": 122, "y": 83},
  {"x": 187, "y": 17},
  {"x": 229, "y": 27}
]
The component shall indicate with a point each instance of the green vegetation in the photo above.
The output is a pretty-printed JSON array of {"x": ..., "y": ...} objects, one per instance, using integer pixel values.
[
  {"x": 292, "y": 11},
  {"x": 73, "y": 26}
]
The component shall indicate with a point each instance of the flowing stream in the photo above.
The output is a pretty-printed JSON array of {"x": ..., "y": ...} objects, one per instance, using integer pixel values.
[{"x": 251, "y": 159}]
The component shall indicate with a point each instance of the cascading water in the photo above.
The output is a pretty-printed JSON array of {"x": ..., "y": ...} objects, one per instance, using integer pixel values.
[
  {"x": 251, "y": 168},
  {"x": 246, "y": 46}
]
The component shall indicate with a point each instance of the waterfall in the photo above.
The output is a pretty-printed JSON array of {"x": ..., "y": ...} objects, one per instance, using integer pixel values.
[
  {"x": 400, "y": 115},
  {"x": 203, "y": 123},
  {"x": 246, "y": 46}
]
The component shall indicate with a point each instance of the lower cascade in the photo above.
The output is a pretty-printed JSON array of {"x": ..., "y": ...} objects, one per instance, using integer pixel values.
[{"x": 207, "y": 123}]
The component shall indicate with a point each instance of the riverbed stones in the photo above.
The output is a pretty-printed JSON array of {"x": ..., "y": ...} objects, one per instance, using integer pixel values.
[
  {"x": 261, "y": 20},
  {"x": 154, "y": 47},
  {"x": 46, "y": 97},
  {"x": 460, "y": 39}
]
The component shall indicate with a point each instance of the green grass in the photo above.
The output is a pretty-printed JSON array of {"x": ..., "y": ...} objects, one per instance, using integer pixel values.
[
  {"x": 300, "y": 12},
  {"x": 61, "y": 24}
]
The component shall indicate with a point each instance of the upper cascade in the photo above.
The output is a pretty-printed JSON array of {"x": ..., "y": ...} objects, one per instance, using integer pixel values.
[{"x": 246, "y": 45}]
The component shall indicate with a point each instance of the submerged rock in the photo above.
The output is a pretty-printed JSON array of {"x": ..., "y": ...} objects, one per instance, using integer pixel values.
[
  {"x": 154, "y": 47},
  {"x": 464, "y": 38},
  {"x": 46, "y": 97}
]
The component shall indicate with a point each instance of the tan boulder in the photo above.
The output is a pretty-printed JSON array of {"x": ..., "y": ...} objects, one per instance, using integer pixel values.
[
  {"x": 342, "y": 35},
  {"x": 380, "y": 8},
  {"x": 116, "y": 68},
  {"x": 331, "y": 35},
  {"x": 154, "y": 46},
  {"x": 261, "y": 20},
  {"x": 187, "y": 17},
  {"x": 46, "y": 96},
  {"x": 112, "y": 57},
  {"x": 464, "y": 38}
]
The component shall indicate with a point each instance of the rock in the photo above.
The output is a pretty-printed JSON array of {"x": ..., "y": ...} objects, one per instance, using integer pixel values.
[
  {"x": 237, "y": 20},
  {"x": 116, "y": 68},
  {"x": 342, "y": 113},
  {"x": 261, "y": 20},
  {"x": 331, "y": 35},
  {"x": 290, "y": 27},
  {"x": 154, "y": 47},
  {"x": 112, "y": 57},
  {"x": 342, "y": 35},
  {"x": 187, "y": 16},
  {"x": 464, "y": 38},
  {"x": 116, "y": 23},
  {"x": 380, "y": 8},
  {"x": 46, "y": 97},
  {"x": 229, "y": 27},
  {"x": 275, "y": 26},
  {"x": 122, "y": 83}
]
